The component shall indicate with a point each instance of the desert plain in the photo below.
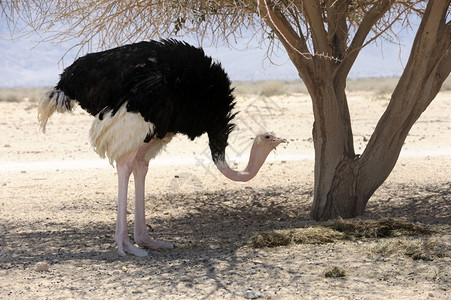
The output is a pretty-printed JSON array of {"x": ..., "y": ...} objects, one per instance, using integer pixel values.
[{"x": 58, "y": 208}]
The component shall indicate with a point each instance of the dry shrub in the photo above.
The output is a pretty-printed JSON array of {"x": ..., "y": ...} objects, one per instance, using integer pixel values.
[
  {"x": 272, "y": 88},
  {"x": 417, "y": 249},
  {"x": 310, "y": 235},
  {"x": 377, "y": 85},
  {"x": 338, "y": 230},
  {"x": 269, "y": 88},
  {"x": 335, "y": 272},
  {"x": 381, "y": 228},
  {"x": 30, "y": 94}
]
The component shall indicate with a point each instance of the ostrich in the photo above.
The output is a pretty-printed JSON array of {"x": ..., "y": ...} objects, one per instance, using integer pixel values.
[{"x": 141, "y": 95}]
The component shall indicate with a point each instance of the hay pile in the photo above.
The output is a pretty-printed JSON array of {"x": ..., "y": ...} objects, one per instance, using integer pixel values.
[
  {"x": 309, "y": 235},
  {"x": 338, "y": 230},
  {"x": 382, "y": 228},
  {"x": 416, "y": 246}
]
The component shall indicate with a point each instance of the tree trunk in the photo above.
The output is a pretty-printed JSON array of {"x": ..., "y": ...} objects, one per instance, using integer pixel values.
[
  {"x": 335, "y": 160},
  {"x": 345, "y": 182}
]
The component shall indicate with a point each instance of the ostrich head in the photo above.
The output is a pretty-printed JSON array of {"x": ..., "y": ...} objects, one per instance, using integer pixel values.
[
  {"x": 263, "y": 145},
  {"x": 219, "y": 120}
]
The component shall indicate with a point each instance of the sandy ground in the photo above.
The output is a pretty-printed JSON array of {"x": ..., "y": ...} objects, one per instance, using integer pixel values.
[{"x": 58, "y": 206}]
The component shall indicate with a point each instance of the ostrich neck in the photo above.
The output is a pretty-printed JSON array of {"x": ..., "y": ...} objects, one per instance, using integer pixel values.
[{"x": 256, "y": 159}]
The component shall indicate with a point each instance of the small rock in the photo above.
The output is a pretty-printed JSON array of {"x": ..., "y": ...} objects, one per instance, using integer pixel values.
[
  {"x": 42, "y": 267},
  {"x": 187, "y": 279},
  {"x": 251, "y": 294}
]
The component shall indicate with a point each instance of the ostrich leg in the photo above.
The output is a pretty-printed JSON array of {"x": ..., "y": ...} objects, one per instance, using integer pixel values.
[
  {"x": 141, "y": 236},
  {"x": 124, "y": 170}
]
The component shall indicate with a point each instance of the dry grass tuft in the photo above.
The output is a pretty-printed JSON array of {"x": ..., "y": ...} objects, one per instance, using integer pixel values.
[
  {"x": 381, "y": 228},
  {"x": 338, "y": 230},
  {"x": 335, "y": 272},
  {"x": 32, "y": 94},
  {"x": 417, "y": 249},
  {"x": 377, "y": 85},
  {"x": 269, "y": 88},
  {"x": 310, "y": 235}
]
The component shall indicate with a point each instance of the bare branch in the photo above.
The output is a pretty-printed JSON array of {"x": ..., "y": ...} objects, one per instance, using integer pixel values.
[
  {"x": 293, "y": 42},
  {"x": 306, "y": 28},
  {"x": 371, "y": 17},
  {"x": 314, "y": 16},
  {"x": 337, "y": 27}
]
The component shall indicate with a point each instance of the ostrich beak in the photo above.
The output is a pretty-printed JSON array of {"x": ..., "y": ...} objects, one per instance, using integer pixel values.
[{"x": 279, "y": 141}]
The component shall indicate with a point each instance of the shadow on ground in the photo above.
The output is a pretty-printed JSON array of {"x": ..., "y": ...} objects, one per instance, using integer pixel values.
[{"x": 222, "y": 222}]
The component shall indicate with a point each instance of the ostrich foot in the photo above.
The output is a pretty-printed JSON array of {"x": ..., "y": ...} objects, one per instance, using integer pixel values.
[
  {"x": 125, "y": 246},
  {"x": 146, "y": 242}
]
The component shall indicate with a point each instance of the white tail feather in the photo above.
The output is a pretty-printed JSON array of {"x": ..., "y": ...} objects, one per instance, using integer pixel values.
[{"x": 53, "y": 100}]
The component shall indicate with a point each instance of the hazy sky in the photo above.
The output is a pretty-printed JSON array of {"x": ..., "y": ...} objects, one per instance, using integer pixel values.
[{"x": 24, "y": 63}]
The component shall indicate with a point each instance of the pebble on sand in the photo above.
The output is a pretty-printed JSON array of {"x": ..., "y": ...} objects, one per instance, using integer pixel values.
[
  {"x": 42, "y": 267},
  {"x": 251, "y": 294}
]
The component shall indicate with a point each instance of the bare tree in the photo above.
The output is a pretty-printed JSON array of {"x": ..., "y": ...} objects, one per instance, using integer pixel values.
[{"x": 322, "y": 39}]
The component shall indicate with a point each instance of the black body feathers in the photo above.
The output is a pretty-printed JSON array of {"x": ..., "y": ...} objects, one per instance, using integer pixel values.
[{"x": 171, "y": 84}]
